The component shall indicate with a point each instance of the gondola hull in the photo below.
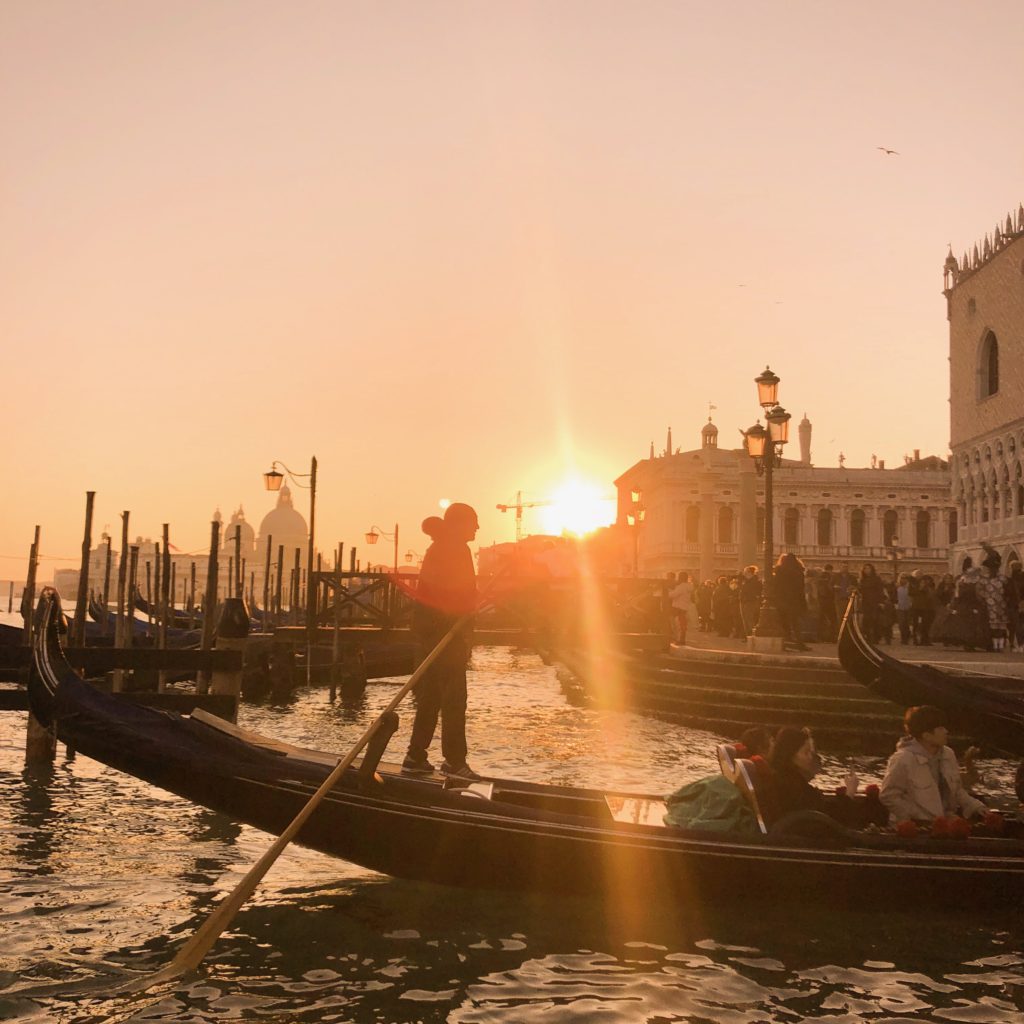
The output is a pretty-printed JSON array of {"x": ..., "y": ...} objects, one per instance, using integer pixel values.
[
  {"x": 520, "y": 836},
  {"x": 987, "y": 708}
]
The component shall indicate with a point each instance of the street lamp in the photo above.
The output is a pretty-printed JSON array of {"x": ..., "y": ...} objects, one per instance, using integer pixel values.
[
  {"x": 894, "y": 553},
  {"x": 411, "y": 556},
  {"x": 765, "y": 448},
  {"x": 634, "y": 519},
  {"x": 375, "y": 533},
  {"x": 272, "y": 480}
]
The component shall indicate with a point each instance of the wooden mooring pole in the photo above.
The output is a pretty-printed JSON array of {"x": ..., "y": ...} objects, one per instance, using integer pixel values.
[
  {"x": 123, "y": 623},
  {"x": 82, "y": 602},
  {"x": 266, "y": 585},
  {"x": 277, "y": 584},
  {"x": 165, "y": 601},
  {"x": 106, "y": 582},
  {"x": 210, "y": 603}
]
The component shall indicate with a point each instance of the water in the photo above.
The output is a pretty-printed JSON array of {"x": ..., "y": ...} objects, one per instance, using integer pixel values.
[{"x": 101, "y": 875}]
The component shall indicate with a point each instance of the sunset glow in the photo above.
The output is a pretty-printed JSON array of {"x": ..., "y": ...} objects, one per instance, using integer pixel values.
[{"x": 578, "y": 507}]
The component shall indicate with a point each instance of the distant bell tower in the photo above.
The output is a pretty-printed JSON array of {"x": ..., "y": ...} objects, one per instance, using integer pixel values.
[
  {"x": 804, "y": 430},
  {"x": 709, "y": 435}
]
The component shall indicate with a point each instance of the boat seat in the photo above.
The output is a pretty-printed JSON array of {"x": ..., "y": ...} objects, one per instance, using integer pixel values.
[
  {"x": 473, "y": 790},
  {"x": 727, "y": 760},
  {"x": 748, "y": 784}
]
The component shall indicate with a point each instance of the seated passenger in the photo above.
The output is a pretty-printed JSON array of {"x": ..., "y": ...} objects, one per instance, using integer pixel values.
[
  {"x": 922, "y": 780},
  {"x": 793, "y": 763},
  {"x": 756, "y": 741}
]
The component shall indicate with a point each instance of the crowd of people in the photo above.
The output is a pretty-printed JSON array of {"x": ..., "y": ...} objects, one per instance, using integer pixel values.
[
  {"x": 809, "y": 602},
  {"x": 981, "y": 609}
]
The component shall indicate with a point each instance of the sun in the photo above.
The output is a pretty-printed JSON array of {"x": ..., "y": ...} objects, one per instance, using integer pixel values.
[{"x": 577, "y": 506}]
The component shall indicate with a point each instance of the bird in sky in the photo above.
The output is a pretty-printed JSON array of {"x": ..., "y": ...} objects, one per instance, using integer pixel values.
[{"x": 887, "y": 152}]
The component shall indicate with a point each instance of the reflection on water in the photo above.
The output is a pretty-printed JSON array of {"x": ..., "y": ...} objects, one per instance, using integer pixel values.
[{"x": 101, "y": 875}]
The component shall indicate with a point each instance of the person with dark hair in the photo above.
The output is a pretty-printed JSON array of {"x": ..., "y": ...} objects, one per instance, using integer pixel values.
[
  {"x": 922, "y": 780},
  {"x": 828, "y": 623},
  {"x": 757, "y": 741},
  {"x": 991, "y": 589},
  {"x": 793, "y": 763},
  {"x": 790, "y": 596},
  {"x": 750, "y": 598},
  {"x": 722, "y": 606},
  {"x": 872, "y": 596},
  {"x": 446, "y": 592}
]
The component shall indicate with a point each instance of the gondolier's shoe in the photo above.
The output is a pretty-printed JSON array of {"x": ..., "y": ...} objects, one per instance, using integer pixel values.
[
  {"x": 416, "y": 766},
  {"x": 465, "y": 772}
]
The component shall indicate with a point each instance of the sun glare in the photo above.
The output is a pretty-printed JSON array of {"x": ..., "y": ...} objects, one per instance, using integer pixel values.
[{"x": 577, "y": 507}]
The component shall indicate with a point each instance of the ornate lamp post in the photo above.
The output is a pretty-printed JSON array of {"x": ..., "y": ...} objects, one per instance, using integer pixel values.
[
  {"x": 765, "y": 448},
  {"x": 375, "y": 533},
  {"x": 634, "y": 519},
  {"x": 895, "y": 550},
  {"x": 272, "y": 480}
]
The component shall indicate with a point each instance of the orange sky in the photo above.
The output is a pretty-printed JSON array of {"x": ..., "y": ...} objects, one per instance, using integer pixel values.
[{"x": 461, "y": 249}]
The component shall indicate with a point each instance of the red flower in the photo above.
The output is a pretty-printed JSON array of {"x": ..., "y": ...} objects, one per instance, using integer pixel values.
[
  {"x": 740, "y": 749},
  {"x": 872, "y": 792},
  {"x": 840, "y": 791},
  {"x": 941, "y": 828},
  {"x": 907, "y": 829},
  {"x": 959, "y": 828},
  {"x": 992, "y": 824},
  {"x": 757, "y": 759}
]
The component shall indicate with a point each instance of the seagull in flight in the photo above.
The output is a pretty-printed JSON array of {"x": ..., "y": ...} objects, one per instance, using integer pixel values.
[{"x": 887, "y": 152}]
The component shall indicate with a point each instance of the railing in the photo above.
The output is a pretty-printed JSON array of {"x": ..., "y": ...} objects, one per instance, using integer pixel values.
[{"x": 565, "y": 605}]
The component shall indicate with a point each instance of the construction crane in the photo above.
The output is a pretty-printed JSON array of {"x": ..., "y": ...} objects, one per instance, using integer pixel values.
[{"x": 519, "y": 505}]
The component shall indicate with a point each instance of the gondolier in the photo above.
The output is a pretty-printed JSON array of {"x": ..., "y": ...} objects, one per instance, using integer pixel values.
[{"x": 445, "y": 593}]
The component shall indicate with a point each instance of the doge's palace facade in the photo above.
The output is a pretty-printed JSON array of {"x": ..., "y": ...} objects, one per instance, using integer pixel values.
[{"x": 985, "y": 307}]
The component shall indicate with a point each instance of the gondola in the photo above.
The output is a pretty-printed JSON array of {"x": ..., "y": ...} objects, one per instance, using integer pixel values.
[
  {"x": 495, "y": 834},
  {"x": 179, "y": 619},
  {"x": 987, "y": 708}
]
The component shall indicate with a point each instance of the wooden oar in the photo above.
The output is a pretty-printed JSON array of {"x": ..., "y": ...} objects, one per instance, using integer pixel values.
[{"x": 191, "y": 954}]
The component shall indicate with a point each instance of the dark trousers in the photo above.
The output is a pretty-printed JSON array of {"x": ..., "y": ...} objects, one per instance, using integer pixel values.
[
  {"x": 922, "y": 618},
  {"x": 904, "y": 619},
  {"x": 442, "y": 691},
  {"x": 828, "y": 627}
]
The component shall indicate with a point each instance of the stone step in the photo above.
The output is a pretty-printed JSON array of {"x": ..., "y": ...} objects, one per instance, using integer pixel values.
[
  {"x": 862, "y": 703},
  {"x": 844, "y": 686}
]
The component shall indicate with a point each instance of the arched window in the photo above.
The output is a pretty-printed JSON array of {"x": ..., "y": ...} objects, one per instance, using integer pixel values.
[
  {"x": 791, "y": 526},
  {"x": 693, "y": 524},
  {"x": 952, "y": 526},
  {"x": 725, "y": 525},
  {"x": 825, "y": 526},
  {"x": 923, "y": 530},
  {"x": 1020, "y": 499},
  {"x": 759, "y": 534},
  {"x": 857, "y": 528},
  {"x": 889, "y": 526},
  {"x": 988, "y": 366}
]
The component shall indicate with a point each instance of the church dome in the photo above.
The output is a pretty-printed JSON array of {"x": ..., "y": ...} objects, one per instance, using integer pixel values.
[
  {"x": 284, "y": 524},
  {"x": 247, "y": 534}
]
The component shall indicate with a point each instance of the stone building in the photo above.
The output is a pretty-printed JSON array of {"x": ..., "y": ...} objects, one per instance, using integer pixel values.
[
  {"x": 703, "y": 511},
  {"x": 985, "y": 307}
]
